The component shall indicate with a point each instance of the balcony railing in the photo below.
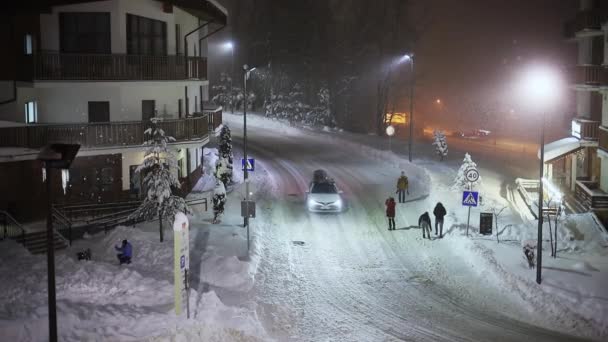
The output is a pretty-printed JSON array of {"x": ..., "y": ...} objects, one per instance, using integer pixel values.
[
  {"x": 585, "y": 129},
  {"x": 91, "y": 135},
  {"x": 585, "y": 20},
  {"x": 590, "y": 195},
  {"x": 603, "y": 138},
  {"x": 60, "y": 66},
  {"x": 590, "y": 75}
]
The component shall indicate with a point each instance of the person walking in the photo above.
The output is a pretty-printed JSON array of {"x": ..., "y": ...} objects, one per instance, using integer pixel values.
[
  {"x": 439, "y": 213},
  {"x": 402, "y": 187},
  {"x": 390, "y": 212},
  {"x": 424, "y": 222}
]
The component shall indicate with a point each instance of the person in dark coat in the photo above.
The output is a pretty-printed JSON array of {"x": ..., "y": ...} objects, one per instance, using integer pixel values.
[
  {"x": 439, "y": 213},
  {"x": 424, "y": 222},
  {"x": 126, "y": 252},
  {"x": 390, "y": 212}
]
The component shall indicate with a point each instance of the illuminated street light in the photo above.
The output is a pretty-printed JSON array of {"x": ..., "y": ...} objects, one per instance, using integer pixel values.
[
  {"x": 541, "y": 87},
  {"x": 230, "y": 46},
  {"x": 403, "y": 59},
  {"x": 438, "y": 101}
]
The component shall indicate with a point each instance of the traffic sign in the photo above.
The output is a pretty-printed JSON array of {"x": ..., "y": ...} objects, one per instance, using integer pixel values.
[
  {"x": 472, "y": 175},
  {"x": 470, "y": 198},
  {"x": 250, "y": 164}
]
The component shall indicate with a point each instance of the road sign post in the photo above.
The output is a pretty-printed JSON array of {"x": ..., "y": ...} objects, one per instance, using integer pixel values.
[
  {"x": 248, "y": 165},
  {"x": 181, "y": 262},
  {"x": 470, "y": 199}
]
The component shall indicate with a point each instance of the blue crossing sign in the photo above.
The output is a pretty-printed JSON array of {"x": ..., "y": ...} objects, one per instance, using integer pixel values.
[
  {"x": 250, "y": 164},
  {"x": 470, "y": 198}
]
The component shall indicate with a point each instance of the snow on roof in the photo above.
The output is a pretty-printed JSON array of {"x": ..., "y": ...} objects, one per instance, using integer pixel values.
[{"x": 560, "y": 147}]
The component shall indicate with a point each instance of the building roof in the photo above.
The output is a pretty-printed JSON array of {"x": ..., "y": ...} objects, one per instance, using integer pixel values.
[{"x": 560, "y": 148}]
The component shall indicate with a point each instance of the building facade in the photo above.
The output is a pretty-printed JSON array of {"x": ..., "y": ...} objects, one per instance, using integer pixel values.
[{"x": 95, "y": 73}]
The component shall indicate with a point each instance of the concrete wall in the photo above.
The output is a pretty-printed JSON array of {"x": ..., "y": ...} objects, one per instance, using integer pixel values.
[
  {"x": 604, "y": 173},
  {"x": 118, "y": 10},
  {"x": 585, "y": 49}
]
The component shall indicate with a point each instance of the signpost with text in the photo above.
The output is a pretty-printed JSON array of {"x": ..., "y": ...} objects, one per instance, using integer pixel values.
[{"x": 181, "y": 262}]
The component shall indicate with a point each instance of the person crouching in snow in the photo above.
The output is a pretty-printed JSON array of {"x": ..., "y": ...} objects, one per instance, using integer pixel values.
[
  {"x": 424, "y": 222},
  {"x": 390, "y": 212},
  {"x": 126, "y": 251}
]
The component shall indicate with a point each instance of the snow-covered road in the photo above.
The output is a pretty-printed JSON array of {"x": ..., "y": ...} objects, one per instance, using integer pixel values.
[{"x": 346, "y": 277}]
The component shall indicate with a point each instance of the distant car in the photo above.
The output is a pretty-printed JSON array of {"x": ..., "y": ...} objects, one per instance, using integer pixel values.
[{"x": 323, "y": 195}]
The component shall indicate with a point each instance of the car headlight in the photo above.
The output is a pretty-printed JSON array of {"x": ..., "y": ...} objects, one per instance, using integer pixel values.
[
  {"x": 310, "y": 202},
  {"x": 338, "y": 203}
]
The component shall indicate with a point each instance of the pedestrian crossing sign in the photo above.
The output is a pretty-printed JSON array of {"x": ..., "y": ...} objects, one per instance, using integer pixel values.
[
  {"x": 248, "y": 164},
  {"x": 470, "y": 198}
]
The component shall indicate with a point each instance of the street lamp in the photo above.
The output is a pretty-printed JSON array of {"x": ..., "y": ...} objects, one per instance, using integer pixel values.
[
  {"x": 230, "y": 46},
  {"x": 541, "y": 86},
  {"x": 410, "y": 58},
  {"x": 248, "y": 71},
  {"x": 54, "y": 156}
]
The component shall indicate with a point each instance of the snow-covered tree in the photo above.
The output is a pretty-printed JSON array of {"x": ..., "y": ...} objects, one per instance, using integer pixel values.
[
  {"x": 441, "y": 145},
  {"x": 223, "y": 171},
  {"x": 219, "y": 199},
  {"x": 159, "y": 170},
  {"x": 221, "y": 91},
  {"x": 461, "y": 182},
  {"x": 223, "y": 166}
]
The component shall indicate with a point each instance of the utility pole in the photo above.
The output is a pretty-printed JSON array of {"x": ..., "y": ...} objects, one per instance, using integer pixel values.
[{"x": 539, "y": 243}]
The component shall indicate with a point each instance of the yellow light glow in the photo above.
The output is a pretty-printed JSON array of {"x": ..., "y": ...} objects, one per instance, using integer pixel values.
[{"x": 398, "y": 118}]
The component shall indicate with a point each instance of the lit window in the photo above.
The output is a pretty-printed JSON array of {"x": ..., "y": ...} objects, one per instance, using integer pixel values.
[
  {"x": 28, "y": 44},
  {"x": 31, "y": 112}
]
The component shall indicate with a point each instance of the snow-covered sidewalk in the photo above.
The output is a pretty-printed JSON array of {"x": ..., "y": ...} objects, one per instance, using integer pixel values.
[{"x": 102, "y": 301}]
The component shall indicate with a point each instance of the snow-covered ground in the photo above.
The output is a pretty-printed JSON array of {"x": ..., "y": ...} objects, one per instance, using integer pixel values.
[{"x": 323, "y": 277}]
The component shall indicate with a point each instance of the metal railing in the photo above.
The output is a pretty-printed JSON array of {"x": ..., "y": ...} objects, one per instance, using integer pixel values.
[
  {"x": 11, "y": 228},
  {"x": 52, "y": 65},
  {"x": 118, "y": 133}
]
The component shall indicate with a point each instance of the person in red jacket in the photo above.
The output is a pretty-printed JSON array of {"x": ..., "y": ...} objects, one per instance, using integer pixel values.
[{"x": 390, "y": 212}]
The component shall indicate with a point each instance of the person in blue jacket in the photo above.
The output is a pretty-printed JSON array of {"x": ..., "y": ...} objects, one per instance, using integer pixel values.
[{"x": 126, "y": 251}]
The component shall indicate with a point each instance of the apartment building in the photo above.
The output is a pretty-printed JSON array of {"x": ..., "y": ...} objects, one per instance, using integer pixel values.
[{"x": 94, "y": 73}]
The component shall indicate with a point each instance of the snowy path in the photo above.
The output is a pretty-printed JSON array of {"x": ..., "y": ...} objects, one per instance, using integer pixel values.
[{"x": 352, "y": 279}]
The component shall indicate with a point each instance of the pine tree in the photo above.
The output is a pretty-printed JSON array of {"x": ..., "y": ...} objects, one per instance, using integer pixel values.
[
  {"x": 441, "y": 145},
  {"x": 159, "y": 169},
  {"x": 224, "y": 165},
  {"x": 461, "y": 182},
  {"x": 219, "y": 200}
]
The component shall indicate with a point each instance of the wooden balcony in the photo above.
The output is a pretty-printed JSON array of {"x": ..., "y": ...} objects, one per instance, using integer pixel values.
[
  {"x": 585, "y": 20},
  {"x": 115, "y": 67},
  {"x": 585, "y": 129},
  {"x": 603, "y": 138},
  {"x": 92, "y": 135},
  {"x": 593, "y": 75},
  {"x": 590, "y": 195}
]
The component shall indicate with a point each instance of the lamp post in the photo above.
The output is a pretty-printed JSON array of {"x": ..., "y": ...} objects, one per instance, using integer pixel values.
[
  {"x": 230, "y": 46},
  {"x": 541, "y": 85},
  {"x": 248, "y": 70},
  {"x": 410, "y": 58},
  {"x": 54, "y": 156}
]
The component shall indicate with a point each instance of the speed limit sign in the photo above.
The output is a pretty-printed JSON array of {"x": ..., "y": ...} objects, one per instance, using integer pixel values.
[{"x": 472, "y": 175}]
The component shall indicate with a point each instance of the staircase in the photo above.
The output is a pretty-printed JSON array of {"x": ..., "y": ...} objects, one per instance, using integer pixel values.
[{"x": 35, "y": 242}]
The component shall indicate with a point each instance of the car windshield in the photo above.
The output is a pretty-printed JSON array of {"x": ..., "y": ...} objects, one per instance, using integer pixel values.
[{"x": 324, "y": 188}]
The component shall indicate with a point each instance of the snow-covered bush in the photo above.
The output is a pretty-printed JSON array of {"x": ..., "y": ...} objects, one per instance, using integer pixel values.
[
  {"x": 159, "y": 170},
  {"x": 219, "y": 199},
  {"x": 441, "y": 145},
  {"x": 291, "y": 107},
  {"x": 461, "y": 182},
  {"x": 223, "y": 171}
]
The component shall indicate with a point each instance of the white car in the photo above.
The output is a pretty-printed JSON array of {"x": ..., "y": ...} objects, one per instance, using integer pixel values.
[{"x": 324, "y": 197}]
